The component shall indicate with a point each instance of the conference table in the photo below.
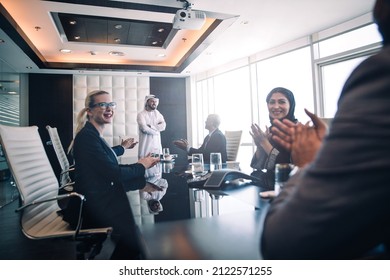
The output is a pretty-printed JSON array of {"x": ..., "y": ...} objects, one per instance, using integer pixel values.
[
  {"x": 225, "y": 237},
  {"x": 220, "y": 237}
]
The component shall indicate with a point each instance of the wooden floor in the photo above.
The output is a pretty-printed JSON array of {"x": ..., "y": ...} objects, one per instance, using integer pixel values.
[{"x": 15, "y": 246}]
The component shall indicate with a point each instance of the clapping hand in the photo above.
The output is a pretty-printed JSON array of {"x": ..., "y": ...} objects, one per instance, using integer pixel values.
[
  {"x": 149, "y": 161},
  {"x": 128, "y": 143},
  {"x": 182, "y": 144},
  {"x": 258, "y": 135},
  {"x": 303, "y": 141},
  {"x": 261, "y": 138}
]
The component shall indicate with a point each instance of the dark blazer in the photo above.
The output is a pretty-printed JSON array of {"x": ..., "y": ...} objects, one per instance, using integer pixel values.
[
  {"x": 338, "y": 206},
  {"x": 214, "y": 144},
  {"x": 97, "y": 167},
  {"x": 268, "y": 161},
  {"x": 118, "y": 150},
  {"x": 103, "y": 181}
]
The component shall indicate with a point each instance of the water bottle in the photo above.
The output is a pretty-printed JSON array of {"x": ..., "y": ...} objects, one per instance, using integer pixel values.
[{"x": 282, "y": 173}]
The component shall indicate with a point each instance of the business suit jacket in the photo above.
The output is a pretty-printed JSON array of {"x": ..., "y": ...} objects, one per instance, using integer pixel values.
[
  {"x": 338, "y": 206},
  {"x": 103, "y": 181},
  {"x": 214, "y": 144}
]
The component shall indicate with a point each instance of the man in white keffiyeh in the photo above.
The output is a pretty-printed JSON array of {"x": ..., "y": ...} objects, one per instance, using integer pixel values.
[{"x": 150, "y": 123}]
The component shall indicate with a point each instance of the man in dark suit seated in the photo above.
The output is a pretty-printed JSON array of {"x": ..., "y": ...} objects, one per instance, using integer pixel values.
[{"x": 215, "y": 141}]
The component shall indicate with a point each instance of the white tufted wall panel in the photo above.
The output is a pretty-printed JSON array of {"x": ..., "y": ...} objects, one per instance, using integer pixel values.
[
  {"x": 140, "y": 208},
  {"x": 129, "y": 94}
]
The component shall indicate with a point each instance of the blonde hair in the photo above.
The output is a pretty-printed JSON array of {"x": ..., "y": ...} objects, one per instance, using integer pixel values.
[{"x": 82, "y": 116}]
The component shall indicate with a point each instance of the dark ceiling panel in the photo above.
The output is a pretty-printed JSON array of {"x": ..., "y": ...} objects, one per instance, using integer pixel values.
[
  {"x": 138, "y": 33},
  {"x": 114, "y": 33},
  {"x": 105, "y": 30},
  {"x": 96, "y": 31}
]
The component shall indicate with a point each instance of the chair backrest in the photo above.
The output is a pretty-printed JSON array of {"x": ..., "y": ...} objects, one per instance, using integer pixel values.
[
  {"x": 34, "y": 178},
  {"x": 61, "y": 155},
  {"x": 233, "y": 141}
]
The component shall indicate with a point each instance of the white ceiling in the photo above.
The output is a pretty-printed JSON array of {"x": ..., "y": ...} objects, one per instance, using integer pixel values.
[{"x": 260, "y": 25}]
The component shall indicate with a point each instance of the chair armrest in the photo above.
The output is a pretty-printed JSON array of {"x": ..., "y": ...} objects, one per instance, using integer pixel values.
[
  {"x": 70, "y": 184},
  {"x": 58, "y": 198},
  {"x": 71, "y": 168}
]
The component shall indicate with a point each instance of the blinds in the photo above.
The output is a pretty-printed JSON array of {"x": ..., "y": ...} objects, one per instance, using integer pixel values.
[{"x": 9, "y": 109}]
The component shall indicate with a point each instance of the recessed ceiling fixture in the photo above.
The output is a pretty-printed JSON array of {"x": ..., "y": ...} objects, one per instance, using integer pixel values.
[
  {"x": 117, "y": 40},
  {"x": 77, "y": 37},
  {"x": 65, "y": 51},
  {"x": 161, "y": 55},
  {"x": 115, "y": 53},
  {"x": 72, "y": 22},
  {"x": 93, "y": 53},
  {"x": 118, "y": 26}
]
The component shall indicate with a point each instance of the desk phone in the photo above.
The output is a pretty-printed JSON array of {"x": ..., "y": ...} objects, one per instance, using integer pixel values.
[
  {"x": 199, "y": 182},
  {"x": 225, "y": 176}
]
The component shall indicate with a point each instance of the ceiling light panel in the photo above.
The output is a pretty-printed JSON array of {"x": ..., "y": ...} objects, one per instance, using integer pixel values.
[{"x": 106, "y": 30}]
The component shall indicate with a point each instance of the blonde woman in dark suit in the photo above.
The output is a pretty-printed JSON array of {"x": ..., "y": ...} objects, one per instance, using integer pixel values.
[{"x": 102, "y": 180}]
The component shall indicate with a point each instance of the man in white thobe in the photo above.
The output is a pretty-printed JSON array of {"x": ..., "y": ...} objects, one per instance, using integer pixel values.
[{"x": 150, "y": 123}]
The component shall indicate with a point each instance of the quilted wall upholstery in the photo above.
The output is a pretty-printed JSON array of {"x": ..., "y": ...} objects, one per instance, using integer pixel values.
[{"x": 129, "y": 94}]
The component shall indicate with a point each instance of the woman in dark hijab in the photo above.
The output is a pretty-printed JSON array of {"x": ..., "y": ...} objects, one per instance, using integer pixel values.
[{"x": 281, "y": 105}]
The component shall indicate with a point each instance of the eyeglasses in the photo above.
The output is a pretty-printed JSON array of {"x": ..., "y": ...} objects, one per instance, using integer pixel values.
[{"x": 104, "y": 105}]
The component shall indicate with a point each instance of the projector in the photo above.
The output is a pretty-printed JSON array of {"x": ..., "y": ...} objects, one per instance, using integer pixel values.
[{"x": 187, "y": 19}]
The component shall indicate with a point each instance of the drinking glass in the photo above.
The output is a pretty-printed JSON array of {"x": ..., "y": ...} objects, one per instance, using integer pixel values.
[
  {"x": 215, "y": 161},
  {"x": 197, "y": 166},
  {"x": 166, "y": 154}
]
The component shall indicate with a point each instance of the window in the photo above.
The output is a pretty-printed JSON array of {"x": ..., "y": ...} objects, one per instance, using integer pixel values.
[
  {"x": 338, "y": 57},
  {"x": 9, "y": 105},
  {"x": 9, "y": 96},
  {"x": 218, "y": 95},
  {"x": 232, "y": 99},
  {"x": 292, "y": 71},
  {"x": 333, "y": 79},
  {"x": 351, "y": 40}
]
